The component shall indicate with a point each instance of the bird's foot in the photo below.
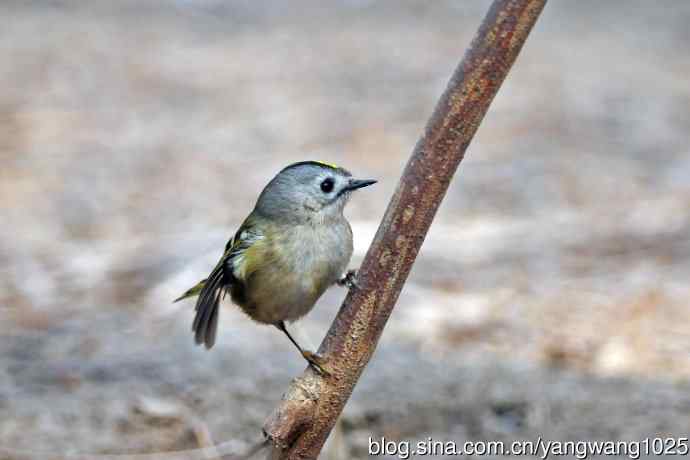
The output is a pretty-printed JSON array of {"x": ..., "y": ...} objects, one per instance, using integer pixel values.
[
  {"x": 349, "y": 280},
  {"x": 316, "y": 362}
]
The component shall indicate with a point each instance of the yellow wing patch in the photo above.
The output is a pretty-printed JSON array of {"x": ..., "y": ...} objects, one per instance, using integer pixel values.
[
  {"x": 245, "y": 262},
  {"x": 251, "y": 259}
]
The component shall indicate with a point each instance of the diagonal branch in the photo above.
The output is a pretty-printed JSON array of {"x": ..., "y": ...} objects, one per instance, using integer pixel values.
[{"x": 302, "y": 422}]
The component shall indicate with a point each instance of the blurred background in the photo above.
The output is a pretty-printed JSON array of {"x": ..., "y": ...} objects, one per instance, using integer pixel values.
[{"x": 551, "y": 296}]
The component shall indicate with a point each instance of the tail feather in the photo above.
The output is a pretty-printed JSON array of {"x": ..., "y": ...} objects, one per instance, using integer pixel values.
[
  {"x": 194, "y": 291},
  {"x": 212, "y": 327},
  {"x": 205, "y": 323}
]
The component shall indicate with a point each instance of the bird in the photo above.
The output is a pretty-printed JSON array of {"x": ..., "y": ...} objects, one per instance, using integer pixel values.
[{"x": 294, "y": 245}]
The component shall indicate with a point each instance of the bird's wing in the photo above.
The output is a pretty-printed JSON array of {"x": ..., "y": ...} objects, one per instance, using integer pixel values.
[
  {"x": 242, "y": 252},
  {"x": 229, "y": 270}
]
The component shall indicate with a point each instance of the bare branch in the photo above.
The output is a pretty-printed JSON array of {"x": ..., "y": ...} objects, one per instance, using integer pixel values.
[{"x": 300, "y": 425}]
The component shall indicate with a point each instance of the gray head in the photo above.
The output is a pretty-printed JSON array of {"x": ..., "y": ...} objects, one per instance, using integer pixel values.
[{"x": 308, "y": 191}]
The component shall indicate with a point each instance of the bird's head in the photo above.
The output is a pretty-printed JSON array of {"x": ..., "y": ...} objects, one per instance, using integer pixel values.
[{"x": 309, "y": 191}]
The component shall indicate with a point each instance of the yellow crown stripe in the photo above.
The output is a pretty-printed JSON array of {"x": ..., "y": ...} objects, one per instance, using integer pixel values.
[
  {"x": 323, "y": 164},
  {"x": 329, "y": 165}
]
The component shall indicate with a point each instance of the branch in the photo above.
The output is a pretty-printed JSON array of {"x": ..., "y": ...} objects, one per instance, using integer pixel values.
[{"x": 300, "y": 425}]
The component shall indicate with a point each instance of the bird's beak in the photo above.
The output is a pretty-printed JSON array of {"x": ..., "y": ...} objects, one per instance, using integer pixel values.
[{"x": 356, "y": 183}]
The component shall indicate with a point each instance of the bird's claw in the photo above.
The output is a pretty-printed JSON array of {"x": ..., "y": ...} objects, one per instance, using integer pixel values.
[
  {"x": 349, "y": 280},
  {"x": 316, "y": 362}
]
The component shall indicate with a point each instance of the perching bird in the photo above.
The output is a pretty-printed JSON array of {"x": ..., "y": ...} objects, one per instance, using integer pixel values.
[{"x": 293, "y": 246}]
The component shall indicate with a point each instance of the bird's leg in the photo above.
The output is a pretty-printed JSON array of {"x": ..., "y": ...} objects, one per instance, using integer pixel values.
[
  {"x": 315, "y": 360},
  {"x": 349, "y": 280}
]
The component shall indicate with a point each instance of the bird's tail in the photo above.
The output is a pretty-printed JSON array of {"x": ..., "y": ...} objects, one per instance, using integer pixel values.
[
  {"x": 210, "y": 292},
  {"x": 194, "y": 291}
]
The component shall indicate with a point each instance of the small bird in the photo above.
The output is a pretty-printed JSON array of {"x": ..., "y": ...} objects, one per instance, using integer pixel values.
[{"x": 293, "y": 246}]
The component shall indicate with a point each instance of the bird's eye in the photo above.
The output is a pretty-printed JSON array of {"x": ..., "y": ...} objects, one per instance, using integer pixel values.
[{"x": 327, "y": 185}]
